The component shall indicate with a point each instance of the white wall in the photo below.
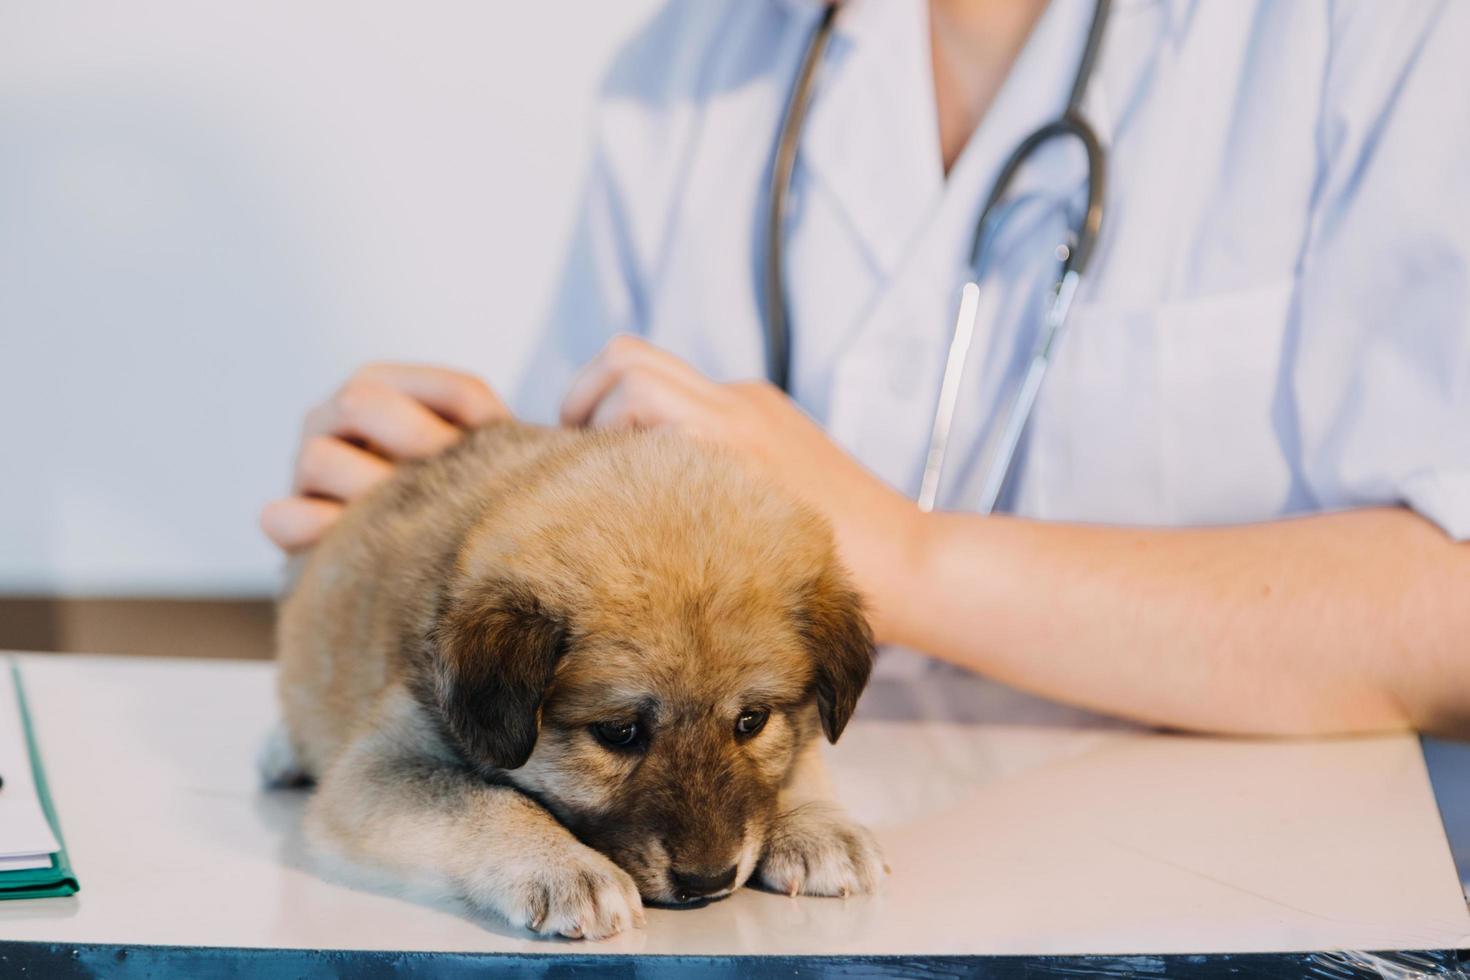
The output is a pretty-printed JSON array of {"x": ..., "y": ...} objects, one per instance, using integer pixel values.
[{"x": 210, "y": 212}]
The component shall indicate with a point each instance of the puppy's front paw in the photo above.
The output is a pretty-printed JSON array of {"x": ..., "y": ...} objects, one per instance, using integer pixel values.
[
  {"x": 817, "y": 850},
  {"x": 573, "y": 891}
]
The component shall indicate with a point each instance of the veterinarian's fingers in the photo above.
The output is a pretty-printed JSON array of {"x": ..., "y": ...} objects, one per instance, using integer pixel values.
[
  {"x": 615, "y": 411},
  {"x": 298, "y": 522},
  {"x": 391, "y": 422},
  {"x": 594, "y": 382},
  {"x": 654, "y": 393},
  {"x": 461, "y": 398},
  {"x": 646, "y": 402},
  {"x": 623, "y": 355},
  {"x": 329, "y": 467}
]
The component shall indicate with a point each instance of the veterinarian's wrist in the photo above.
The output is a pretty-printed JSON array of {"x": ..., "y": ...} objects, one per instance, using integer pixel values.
[{"x": 891, "y": 576}]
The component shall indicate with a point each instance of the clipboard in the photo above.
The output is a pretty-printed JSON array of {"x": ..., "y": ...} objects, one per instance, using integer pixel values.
[{"x": 58, "y": 880}]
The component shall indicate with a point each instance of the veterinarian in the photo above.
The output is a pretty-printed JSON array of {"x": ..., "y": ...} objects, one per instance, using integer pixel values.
[{"x": 1240, "y": 498}]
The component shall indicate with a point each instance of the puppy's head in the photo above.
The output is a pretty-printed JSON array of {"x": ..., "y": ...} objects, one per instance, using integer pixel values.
[{"x": 645, "y": 642}]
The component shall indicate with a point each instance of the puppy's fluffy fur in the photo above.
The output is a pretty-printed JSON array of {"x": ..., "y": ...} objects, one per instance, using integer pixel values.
[{"x": 463, "y": 653}]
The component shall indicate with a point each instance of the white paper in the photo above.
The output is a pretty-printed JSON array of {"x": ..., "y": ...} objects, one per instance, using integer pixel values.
[
  {"x": 25, "y": 862},
  {"x": 24, "y": 832}
]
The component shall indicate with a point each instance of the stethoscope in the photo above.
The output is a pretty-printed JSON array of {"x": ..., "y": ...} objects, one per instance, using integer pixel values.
[{"x": 1073, "y": 256}]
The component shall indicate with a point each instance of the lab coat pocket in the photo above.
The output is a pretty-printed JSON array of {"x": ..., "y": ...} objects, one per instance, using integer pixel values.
[
  {"x": 1163, "y": 414},
  {"x": 1221, "y": 367}
]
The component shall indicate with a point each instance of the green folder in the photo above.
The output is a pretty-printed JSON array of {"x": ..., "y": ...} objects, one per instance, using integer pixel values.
[{"x": 59, "y": 879}]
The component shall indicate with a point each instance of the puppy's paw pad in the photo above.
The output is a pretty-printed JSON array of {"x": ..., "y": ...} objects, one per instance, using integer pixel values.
[
  {"x": 577, "y": 895},
  {"x": 278, "y": 763},
  {"x": 816, "y": 852}
]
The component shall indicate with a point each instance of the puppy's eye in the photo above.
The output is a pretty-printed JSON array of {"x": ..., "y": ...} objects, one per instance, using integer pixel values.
[
  {"x": 750, "y": 722},
  {"x": 617, "y": 734}
]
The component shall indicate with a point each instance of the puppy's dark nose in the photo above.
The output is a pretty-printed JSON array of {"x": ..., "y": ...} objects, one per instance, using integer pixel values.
[{"x": 688, "y": 885}]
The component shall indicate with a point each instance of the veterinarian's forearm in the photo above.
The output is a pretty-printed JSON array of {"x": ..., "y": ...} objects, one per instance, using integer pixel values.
[
  {"x": 1345, "y": 622},
  {"x": 1355, "y": 621}
]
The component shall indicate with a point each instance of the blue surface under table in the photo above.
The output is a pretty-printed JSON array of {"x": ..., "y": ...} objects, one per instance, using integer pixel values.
[
  {"x": 58, "y": 962},
  {"x": 1449, "y": 771}
]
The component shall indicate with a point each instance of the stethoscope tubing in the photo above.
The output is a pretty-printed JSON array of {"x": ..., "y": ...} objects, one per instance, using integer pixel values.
[
  {"x": 1074, "y": 256},
  {"x": 778, "y": 332}
]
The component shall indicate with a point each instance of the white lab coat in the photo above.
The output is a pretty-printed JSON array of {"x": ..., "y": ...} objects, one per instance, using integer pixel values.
[{"x": 1277, "y": 319}]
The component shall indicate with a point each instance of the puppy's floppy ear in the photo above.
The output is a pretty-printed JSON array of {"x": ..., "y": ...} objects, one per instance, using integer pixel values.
[
  {"x": 497, "y": 647},
  {"x": 830, "y": 619}
]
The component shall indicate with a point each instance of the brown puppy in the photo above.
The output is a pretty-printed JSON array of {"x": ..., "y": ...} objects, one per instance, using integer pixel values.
[{"x": 550, "y": 671}]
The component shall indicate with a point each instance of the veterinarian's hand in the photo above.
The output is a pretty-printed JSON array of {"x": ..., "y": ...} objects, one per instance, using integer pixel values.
[
  {"x": 631, "y": 383},
  {"x": 384, "y": 414}
]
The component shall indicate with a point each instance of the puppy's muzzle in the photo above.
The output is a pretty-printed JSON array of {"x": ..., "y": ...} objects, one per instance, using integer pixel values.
[{"x": 691, "y": 886}]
